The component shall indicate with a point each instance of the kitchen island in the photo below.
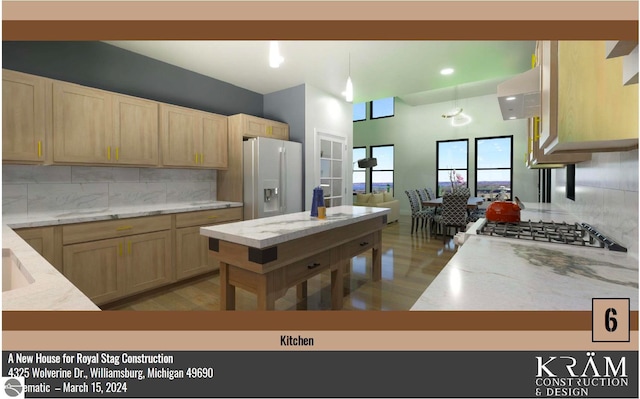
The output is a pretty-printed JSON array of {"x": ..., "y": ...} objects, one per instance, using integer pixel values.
[
  {"x": 268, "y": 256},
  {"x": 498, "y": 273}
]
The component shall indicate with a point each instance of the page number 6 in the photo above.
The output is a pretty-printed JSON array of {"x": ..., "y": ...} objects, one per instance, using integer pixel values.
[{"x": 610, "y": 322}]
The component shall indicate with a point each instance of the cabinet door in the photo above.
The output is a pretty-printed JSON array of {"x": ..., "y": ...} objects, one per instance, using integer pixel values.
[
  {"x": 192, "y": 253},
  {"x": 254, "y": 126},
  {"x": 214, "y": 141},
  {"x": 148, "y": 261},
  {"x": 97, "y": 268},
  {"x": 135, "y": 123},
  {"x": 40, "y": 239},
  {"x": 181, "y": 135},
  {"x": 279, "y": 131},
  {"x": 82, "y": 124},
  {"x": 548, "y": 61},
  {"x": 23, "y": 117}
]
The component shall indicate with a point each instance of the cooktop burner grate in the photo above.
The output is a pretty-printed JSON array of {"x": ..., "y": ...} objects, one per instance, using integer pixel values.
[{"x": 554, "y": 232}]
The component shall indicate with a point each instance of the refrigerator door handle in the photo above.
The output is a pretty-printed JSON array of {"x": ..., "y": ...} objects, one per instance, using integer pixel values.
[{"x": 283, "y": 180}]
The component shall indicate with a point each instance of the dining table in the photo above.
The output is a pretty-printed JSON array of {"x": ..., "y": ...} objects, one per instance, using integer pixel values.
[{"x": 472, "y": 202}]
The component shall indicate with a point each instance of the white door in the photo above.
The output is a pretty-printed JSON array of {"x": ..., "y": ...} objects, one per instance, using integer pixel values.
[{"x": 331, "y": 151}]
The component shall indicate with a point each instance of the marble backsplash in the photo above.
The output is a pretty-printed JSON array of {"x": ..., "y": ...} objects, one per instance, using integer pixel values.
[
  {"x": 35, "y": 189},
  {"x": 606, "y": 195}
]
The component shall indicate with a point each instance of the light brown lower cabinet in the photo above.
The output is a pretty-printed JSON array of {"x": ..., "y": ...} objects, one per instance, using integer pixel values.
[
  {"x": 42, "y": 239},
  {"x": 110, "y": 260},
  {"x": 97, "y": 268},
  {"x": 107, "y": 270},
  {"x": 192, "y": 253},
  {"x": 192, "y": 249}
]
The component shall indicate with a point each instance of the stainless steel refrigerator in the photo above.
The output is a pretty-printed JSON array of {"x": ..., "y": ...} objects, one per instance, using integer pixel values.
[{"x": 272, "y": 177}]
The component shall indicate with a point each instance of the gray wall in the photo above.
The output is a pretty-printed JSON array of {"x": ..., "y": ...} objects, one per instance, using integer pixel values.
[
  {"x": 288, "y": 105},
  {"x": 606, "y": 195},
  {"x": 106, "y": 67},
  {"x": 414, "y": 131}
]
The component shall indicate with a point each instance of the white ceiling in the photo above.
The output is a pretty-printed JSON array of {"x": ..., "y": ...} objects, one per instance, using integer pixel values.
[{"x": 406, "y": 69}]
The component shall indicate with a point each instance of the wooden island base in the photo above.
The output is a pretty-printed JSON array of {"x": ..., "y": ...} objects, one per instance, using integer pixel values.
[{"x": 270, "y": 272}]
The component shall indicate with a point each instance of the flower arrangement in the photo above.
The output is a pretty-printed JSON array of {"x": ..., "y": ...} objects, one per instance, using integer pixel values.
[{"x": 456, "y": 179}]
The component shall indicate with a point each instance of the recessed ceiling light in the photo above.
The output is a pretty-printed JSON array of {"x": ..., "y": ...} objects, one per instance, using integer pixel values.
[
  {"x": 446, "y": 71},
  {"x": 510, "y": 98},
  {"x": 512, "y": 117}
]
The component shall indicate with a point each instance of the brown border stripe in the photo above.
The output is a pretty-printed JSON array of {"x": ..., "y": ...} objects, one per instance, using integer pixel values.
[
  {"x": 311, "y": 320},
  {"x": 320, "y": 30}
]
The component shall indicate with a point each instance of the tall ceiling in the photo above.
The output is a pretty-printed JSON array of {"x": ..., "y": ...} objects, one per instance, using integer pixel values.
[{"x": 406, "y": 69}]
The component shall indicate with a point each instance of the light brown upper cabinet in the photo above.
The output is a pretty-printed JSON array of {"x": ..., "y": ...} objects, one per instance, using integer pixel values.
[
  {"x": 92, "y": 126},
  {"x": 252, "y": 126},
  {"x": 191, "y": 138},
  {"x": 535, "y": 158},
  {"x": 584, "y": 105},
  {"x": 23, "y": 117},
  {"x": 135, "y": 135},
  {"x": 82, "y": 124},
  {"x": 215, "y": 150}
]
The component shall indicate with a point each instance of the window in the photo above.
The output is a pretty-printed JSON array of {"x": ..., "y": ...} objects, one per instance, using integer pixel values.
[
  {"x": 494, "y": 166},
  {"x": 382, "y": 174},
  {"x": 359, "y": 174},
  {"x": 451, "y": 155},
  {"x": 359, "y": 112},
  {"x": 382, "y": 108}
]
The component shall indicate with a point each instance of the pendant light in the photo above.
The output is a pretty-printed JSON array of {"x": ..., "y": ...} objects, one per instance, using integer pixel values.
[
  {"x": 458, "y": 118},
  {"x": 348, "y": 92},
  {"x": 275, "y": 59}
]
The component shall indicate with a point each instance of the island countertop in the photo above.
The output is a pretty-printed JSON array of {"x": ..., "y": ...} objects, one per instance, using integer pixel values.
[
  {"x": 269, "y": 231},
  {"x": 497, "y": 273}
]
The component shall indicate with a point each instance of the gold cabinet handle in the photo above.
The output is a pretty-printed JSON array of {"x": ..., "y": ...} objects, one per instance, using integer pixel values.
[
  {"x": 195, "y": 156},
  {"x": 117, "y": 153},
  {"x": 39, "y": 149},
  {"x": 122, "y": 228},
  {"x": 109, "y": 153},
  {"x": 129, "y": 247},
  {"x": 120, "y": 249}
]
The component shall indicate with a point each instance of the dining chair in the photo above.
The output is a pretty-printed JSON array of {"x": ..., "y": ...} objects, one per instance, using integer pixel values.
[
  {"x": 430, "y": 193},
  {"x": 454, "y": 212},
  {"x": 424, "y": 196},
  {"x": 465, "y": 190},
  {"x": 418, "y": 216}
]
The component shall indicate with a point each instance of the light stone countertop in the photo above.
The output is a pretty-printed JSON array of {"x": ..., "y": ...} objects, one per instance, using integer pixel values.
[
  {"x": 50, "y": 290},
  {"x": 496, "y": 273},
  {"x": 269, "y": 231},
  {"x": 95, "y": 215}
]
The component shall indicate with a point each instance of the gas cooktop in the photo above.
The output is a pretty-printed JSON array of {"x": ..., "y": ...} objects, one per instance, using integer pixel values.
[{"x": 555, "y": 232}]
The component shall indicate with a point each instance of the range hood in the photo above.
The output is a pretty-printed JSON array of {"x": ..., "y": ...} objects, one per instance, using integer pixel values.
[{"x": 519, "y": 97}]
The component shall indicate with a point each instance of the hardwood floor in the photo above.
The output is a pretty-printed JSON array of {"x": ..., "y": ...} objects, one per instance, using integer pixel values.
[{"x": 409, "y": 265}]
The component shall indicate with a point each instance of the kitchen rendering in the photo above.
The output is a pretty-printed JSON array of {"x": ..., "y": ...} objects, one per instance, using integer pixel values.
[{"x": 319, "y": 175}]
